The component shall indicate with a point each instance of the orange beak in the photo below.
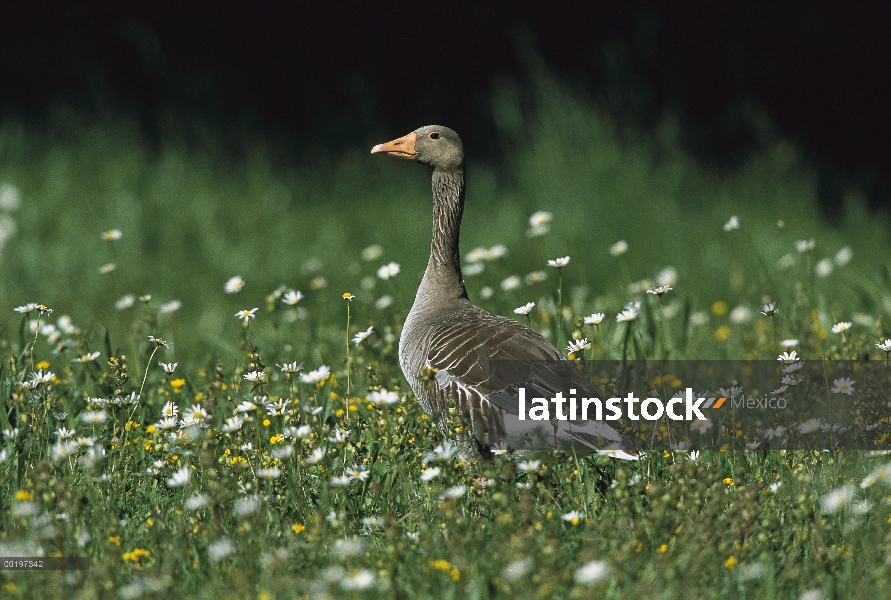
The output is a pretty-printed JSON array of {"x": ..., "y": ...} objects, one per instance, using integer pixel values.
[{"x": 404, "y": 147}]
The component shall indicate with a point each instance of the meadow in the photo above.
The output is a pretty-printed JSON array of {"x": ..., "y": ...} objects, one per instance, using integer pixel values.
[{"x": 202, "y": 391}]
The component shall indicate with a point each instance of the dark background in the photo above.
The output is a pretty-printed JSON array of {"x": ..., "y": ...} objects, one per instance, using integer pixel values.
[{"x": 331, "y": 73}]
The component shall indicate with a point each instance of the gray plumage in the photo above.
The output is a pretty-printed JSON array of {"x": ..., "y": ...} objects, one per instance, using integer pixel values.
[{"x": 448, "y": 345}]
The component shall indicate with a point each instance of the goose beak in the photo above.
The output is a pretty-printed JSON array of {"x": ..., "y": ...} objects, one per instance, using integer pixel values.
[{"x": 404, "y": 147}]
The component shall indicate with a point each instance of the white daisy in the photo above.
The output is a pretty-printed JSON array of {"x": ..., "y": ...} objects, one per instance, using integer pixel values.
[{"x": 234, "y": 285}]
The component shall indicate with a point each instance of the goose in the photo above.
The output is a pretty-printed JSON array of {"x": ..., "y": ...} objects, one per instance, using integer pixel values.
[{"x": 462, "y": 361}]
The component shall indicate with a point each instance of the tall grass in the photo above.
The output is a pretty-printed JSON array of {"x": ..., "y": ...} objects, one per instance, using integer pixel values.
[{"x": 307, "y": 500}]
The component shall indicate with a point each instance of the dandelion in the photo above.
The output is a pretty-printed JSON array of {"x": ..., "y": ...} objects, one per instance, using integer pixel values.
[
  {"x": 362, "y": 336},
  {"x": 577, "y": 345},
  {"x": 430, "y": 473},
  {"x": 843, "y": 385},
  {"x": 559, "y": 262},
  {"x": 112, "y": 235},
  {"x": 591, "y": 572},
  {"x": 841, "y": 327},
  {"x": 389, "y": 270},
  {"x": 660, "y": 291},
  {"x": 837, "y": 499},
  {"x": 823, "y": 268},
  {"x": 594, "y": 319},
  {"x": 125, "y": 302},
  {"x": 88, "y": 357},
  {"x": 179, "y": 478},
  {"x": 317, "y": 376},
  {"x": 246, "y": 315},
  {"x": 291, "y": 298},
  {"x": 788, "y": 357},
  {"x": 234, "y": 285},
  {"x": 573, "y": 517},
  {"x": 619, "y": 248},
  {"x": 382, "y": 396},
  {"x": 732, "y": 224},
  {"x": 511, "y": 283},
  {"x": 805, "y": 245},
  {"x": 169, "y": 368},
  {"x": 525, "y": 309}
]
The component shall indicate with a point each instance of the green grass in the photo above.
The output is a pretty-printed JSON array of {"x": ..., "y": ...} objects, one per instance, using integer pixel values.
[{"x": 192, "y": 216}]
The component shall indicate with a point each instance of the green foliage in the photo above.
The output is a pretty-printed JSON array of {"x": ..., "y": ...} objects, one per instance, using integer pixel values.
[{"x": 252, "y": 504}]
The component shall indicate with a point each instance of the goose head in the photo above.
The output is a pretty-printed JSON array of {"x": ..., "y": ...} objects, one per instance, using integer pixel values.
[{"x": 435, "y": 146}]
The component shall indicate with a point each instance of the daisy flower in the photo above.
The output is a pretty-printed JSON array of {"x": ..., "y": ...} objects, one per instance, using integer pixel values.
[
  {"x": 125, "y": 302},
  {"x": 843, "y": 385},
  {"x": 389, "y": 270},
  {"x": 525, "y": 309},
  {"x": 291, "y": 298},
  {"x": 169, "y": 368},
  {"x": 559, "y": 262},
  {"x": 316, "y": 376},
  {"x": 383, "y": 397},
  {"x": 594, "y": 319},
  {"x": 591, "y": 572},
  {"x": 884, "y": 346},
  {"x": 362, "y": 336},
  {"x": 291, "y": 367},
  {"x": 619, "y": 248},
  {"x": 732, "y": 224},
  {"x": 577, "y": 345},
  {"x": 88, "y": 357},
  {"x": 112, "y": 235},
  {"x": 841, "y": 327},
  {"x": 805, "y": 245},
  {"x": 788, "y": 357},
  {"x": 430, "y": 473},
  {"x": 234, "y": 285},
  {"x": 511, "y": 283},
  {"x": 660, "y": 291},
  {"x": 529, "y": 465},
  {"x": 573, "y": 517},
  {"x": 769, "y": 309},
  {"x": 246, "y": 315},
  {"x": 180, "y": 478},
  {"x": 170, "y": 410}
]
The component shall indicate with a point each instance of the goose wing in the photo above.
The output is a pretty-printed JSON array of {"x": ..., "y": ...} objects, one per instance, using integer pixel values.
[{"x": 480, "y": 361}]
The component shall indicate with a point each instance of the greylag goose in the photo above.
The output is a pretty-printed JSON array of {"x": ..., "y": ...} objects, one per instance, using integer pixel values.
[{"x": 463, "y": 361}]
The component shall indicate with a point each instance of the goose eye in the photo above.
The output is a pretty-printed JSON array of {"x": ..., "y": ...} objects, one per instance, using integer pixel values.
[{"x": 434, "y": 136}]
